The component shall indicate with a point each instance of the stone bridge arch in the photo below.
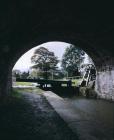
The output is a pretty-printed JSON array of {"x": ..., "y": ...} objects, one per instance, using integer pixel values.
[
  {"x": 94, "y": 53},
  {"x": 88, "y": 27}
]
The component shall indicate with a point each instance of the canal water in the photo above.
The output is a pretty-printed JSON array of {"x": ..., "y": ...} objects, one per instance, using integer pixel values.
[{"x": 99, "y": 111}]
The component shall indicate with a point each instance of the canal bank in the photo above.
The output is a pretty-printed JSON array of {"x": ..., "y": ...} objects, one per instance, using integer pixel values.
[
  {"x": 91, "y": 119},
  {"x": 27, "y": 115}
]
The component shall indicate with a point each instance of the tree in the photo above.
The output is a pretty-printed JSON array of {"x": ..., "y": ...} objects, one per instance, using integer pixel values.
[
  {"x": 44, "y": 61},
  {"x": 72, "y": 59},
  {"x": 16, "y": 73},
  {"x": 33, "y": 74},
  {"x": 19, "y": 74},
  {"x": 25, "y": 75}
]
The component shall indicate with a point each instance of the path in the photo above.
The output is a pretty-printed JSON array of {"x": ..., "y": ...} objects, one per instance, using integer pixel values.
[{"x": 32, "y": 118}]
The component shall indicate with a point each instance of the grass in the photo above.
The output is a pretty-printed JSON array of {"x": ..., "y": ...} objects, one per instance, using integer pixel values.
[
  {"x": 25, "y": 89},
  {"x": 75, "y": 81},
  {"x": 15, "y": 94},
  {"x": 30, "y": 90},
  {"x": 23, "y": 83},
  {"x": 15, "y": 119}
]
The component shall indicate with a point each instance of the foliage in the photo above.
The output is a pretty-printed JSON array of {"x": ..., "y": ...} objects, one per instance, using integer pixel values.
[
  {"x": 44, "y": 61},
  {"x": 24, "y": 75},
  {"x": 19, "y": 74},
  {"x": 16, "y": 73},
  {"x": 33, "y": 74},
  {"x": 59, "y": 75},
  {"x": 72, "y": 59}
]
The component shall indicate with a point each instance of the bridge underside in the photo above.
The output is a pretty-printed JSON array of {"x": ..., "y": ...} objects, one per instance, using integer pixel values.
[{"x": 25, "y": 24}]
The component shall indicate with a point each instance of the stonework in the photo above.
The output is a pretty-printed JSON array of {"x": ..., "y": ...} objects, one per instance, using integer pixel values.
[
  {"x": 105, "y": 84},
  {"x": 25, "y": 28}
]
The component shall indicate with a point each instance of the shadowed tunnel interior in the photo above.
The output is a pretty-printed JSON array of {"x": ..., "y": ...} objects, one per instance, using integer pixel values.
[{"x": 27, "y": 24}]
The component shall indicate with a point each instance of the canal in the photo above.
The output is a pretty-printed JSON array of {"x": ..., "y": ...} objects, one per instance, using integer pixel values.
[
  {"x": 100, "y": 112},
  {"x": 95, "y": 116}
]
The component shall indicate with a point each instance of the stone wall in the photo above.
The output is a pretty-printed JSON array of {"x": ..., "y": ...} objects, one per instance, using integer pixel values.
[{"x": 105, "y": 84}]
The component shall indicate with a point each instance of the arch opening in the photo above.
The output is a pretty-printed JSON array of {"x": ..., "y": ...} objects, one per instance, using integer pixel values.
[{"x": 72, "y": 64}]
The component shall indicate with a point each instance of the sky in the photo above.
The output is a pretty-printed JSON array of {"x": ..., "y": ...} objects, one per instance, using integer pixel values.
[{"x": 24, "y": 63}]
